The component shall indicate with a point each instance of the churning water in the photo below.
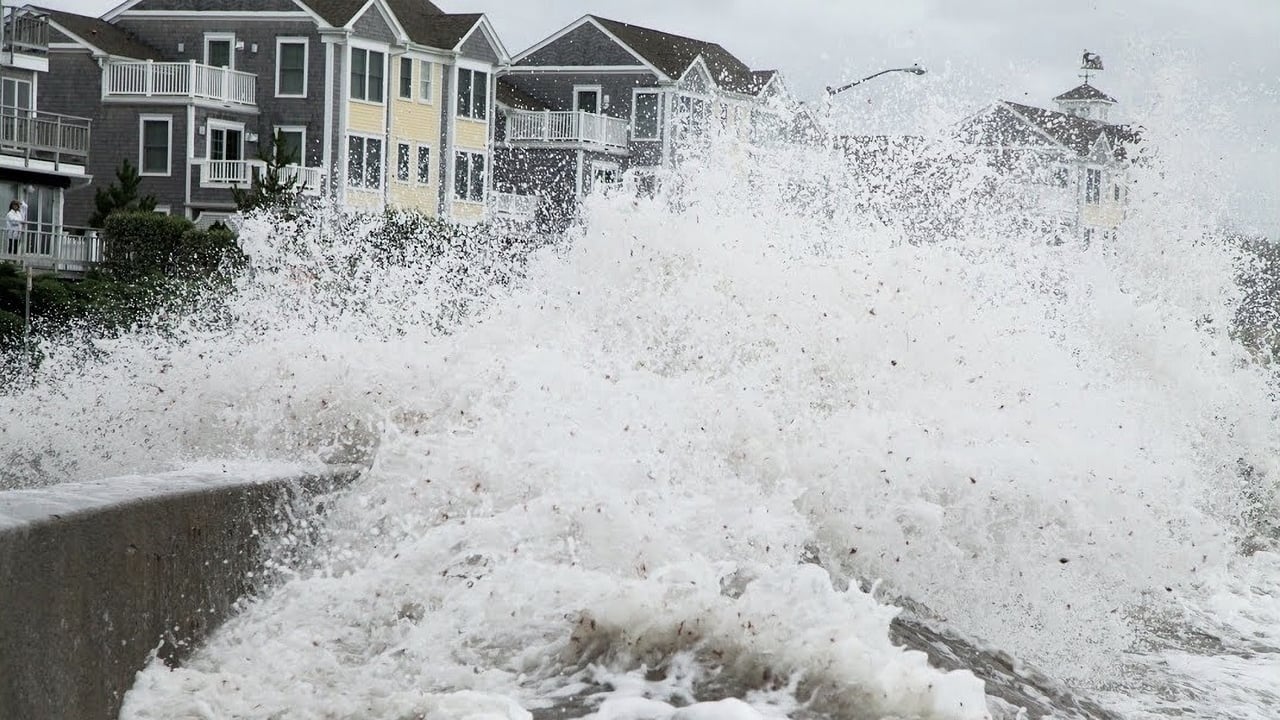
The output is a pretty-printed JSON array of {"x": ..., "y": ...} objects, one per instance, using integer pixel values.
[{"x": 690, "y": 460}]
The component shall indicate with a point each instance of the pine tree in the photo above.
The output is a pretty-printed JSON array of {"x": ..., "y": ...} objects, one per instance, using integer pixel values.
[
  {"x": 271, "y": 188},
  {"x": 121, "y": 195}
]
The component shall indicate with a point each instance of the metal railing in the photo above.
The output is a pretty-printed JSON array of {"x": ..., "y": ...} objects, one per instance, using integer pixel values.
[
  {"x": 45, "y": 247},
  {"x": 560, "y": 126},
  {"x": 26, "y": 31},
  {"x": 192, "y": 80},
  {"x": 44, "y": 135},
  {"x": 514, "y": 207}
]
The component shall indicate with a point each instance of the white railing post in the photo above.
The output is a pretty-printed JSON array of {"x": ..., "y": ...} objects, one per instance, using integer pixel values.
[
  {"x": 148, "y": 79},
  {"x": 191, "y": 78},
  {"x": 546, "y": 125}
]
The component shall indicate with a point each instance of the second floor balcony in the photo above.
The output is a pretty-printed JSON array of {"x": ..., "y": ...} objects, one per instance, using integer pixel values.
[
  {"x": 129, "y": 80},
  {"x": 26, "y": 32},
  {"x": 574, "y": 127},
  {"x": 44, "y": 136},
  {"x": 240, "y": 173}
]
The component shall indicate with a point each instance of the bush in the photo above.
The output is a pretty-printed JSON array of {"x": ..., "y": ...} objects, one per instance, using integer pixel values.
[{"x": 144, "y": 243}]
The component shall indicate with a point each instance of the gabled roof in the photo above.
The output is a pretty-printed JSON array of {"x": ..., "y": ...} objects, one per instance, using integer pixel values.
[
  {"x": 674, "y": 54},
  {"x": 513, "y": 97},
  {"x": 444, "y": 30},
  {"x": 100, "y": 35},
  {"x": 1013, "y": 124},
  {"x": 1086, "y": 92},
  {"x": 761, "y": 78}
]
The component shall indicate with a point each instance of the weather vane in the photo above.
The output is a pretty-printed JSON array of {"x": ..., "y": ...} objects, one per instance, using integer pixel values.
[{"x": 1090, "y": 61}]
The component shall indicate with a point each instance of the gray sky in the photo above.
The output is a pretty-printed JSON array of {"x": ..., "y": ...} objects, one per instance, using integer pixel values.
[{"x": 1204, "y": 71}]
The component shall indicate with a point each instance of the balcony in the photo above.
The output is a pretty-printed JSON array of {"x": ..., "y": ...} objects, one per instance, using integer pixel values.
[
  {"x": 517, "y": 208},
  {"x": 190, "y": 81},
  {"x": 240, "y": 173},
  {"x": 44, "y": 136},
  {"x": 576, "y": 128},
  {"x": 26, "y": 32},
  {"x": 60, "y": 250}
]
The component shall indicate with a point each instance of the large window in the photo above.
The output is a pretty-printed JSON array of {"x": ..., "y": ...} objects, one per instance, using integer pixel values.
[
  {"x": 293, "y": 142},
  {"x": 364, "y": 162},
  {"x": 406, "y": 78},
  {"x": 367, "y": 74},
  {"x": 1093, "y": 186},
  {"x": 424, "y": 165},
  {"x": 155, "y": 141},
  {"x": 468, "y": 177},
  {"x": 402, "y": 161},
  {"x": 473, "y": 94},
  {"x": 425, "y": 70},
  {"x": 226, "y": 141},
  {"x": 644, "y": 116},
  {"x": 291, "y": 67}
]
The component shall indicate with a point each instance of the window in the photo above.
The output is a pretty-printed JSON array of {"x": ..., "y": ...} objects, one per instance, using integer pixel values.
[
  {"x": 424, "y": 164},
  {"x": 217, "y": 49},
  {"x": 468, "y": 177},
  {"x": 364, "y": 162},
  {"x": 293, "y": 143},
  {"x": 1061, "y": 177},
  {"x": 154, "y": 142},
  {"x": 226, "y": 142},
  {"x": 586, "y": 99},
  {"x": 291, "y": 67},
  {"x": 1118, "y": 192},
  {"x": 406, "y": 78},
  {"x": 402, "y": 162},
  {"x": 644, "y": 116},
  {"x": 1093, "y": 186},
  {"x": 17, "y": 103},
  {"x": 16, "y": 94},
  {"x": 366, "y": 74},
  {"x": 473, "y": 94},
  {"x": 425, "y": 71}
]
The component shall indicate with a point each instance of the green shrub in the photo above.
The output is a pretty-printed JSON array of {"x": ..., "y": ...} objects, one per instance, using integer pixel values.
[{"x": 144, "y": 243}]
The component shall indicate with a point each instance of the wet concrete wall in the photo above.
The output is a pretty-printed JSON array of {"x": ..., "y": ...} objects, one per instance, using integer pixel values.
[{"x": 95, "y": 578}]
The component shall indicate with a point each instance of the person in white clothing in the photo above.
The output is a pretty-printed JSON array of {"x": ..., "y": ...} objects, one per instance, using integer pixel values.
[{"x": 14, "y": 223}]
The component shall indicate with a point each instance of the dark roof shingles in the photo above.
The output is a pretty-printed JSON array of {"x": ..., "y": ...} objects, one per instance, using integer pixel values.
[
  {"x": 1085, "y": 92},
  {"x": 102, "y": 35},
  {"x": 673, "y": 54}
]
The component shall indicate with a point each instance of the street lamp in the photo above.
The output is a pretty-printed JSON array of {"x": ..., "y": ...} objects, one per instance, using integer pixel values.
[{"x": 914, "y": 70}]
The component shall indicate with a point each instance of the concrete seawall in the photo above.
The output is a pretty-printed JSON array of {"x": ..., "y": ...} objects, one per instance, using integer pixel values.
[{"x": 95, "y": 577}]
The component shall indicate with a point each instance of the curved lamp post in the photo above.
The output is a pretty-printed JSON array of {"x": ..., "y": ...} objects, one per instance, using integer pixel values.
[{"x": 914, "y": 70}]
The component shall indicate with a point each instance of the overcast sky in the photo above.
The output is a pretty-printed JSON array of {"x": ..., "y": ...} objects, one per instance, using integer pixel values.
[{"x": 1211, "y": 67}]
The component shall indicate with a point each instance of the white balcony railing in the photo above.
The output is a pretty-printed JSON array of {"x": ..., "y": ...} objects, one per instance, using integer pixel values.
[
  {"x": 574, "y": 127},
  {"x": 45, "y": 247},
  {"x": 26, "y": 30},
  {"x": 44, "y": 135},
  {"x": 240, "y": 173},
  {"x": 171, "y": 80},
  {"x": 523, "y": 208}
]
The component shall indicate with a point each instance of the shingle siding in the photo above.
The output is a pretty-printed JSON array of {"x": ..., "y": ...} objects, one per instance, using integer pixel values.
[
  {"x": 477, "y": 47},
  {"x": 585, "y": 45},
  {"x": 372, "y": 26},
  {"x": 556, "y": 89}
]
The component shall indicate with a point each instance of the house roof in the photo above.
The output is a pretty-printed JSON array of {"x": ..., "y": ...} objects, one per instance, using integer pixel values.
[
  {"x": 340, "y": 12},
  {"x": 512, "y": 96},
  {"x": 101, "y": 34},
  {"x": 1085, "y": 92},
  {"x": 674, "y": 54},
  {"x": 442, "y": 30},
  {"x": 1011, "y": 124}
]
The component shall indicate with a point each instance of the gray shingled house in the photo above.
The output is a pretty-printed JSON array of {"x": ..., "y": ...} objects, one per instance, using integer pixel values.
[
  {"x": 602, "y": 97},
  {"x": 44, "y": 155},
  {"x": 381, "y": 102}
]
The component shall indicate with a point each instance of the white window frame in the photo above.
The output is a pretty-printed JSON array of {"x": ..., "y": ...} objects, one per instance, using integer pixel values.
[
  {"x": 230, "y": 37},
  {"x": 302, "y": 145},
  {"x": 488, "y": 92},
  {"x": 31, "y": 90},
  {"x": 417, "y": 153},
  {"x": 597, "y": 89},
  {"x": 386, "y": 67},
  {"x": 213, "y": 124},
  {"x": 427, "y": 75},
  {"x": 1098, "y": 187},
  {"x": 410, "y": 162},
  {"x": 635, "y": 94},
  {"x": 364, "y": 159},
  {"x": 306, "y": 63},
  {"x": 142, "y": 149},
  {"x": 484, "y": 188}
]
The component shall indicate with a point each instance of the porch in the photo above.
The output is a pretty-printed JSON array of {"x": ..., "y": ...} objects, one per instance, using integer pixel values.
[
  {"x": 66, "y": 250},
  {"x": 567, "y": 127},
  {"x": 33, "y": 134},
  {"x": 240, "y": 173},
  {"x": 130, "y": 80}
]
